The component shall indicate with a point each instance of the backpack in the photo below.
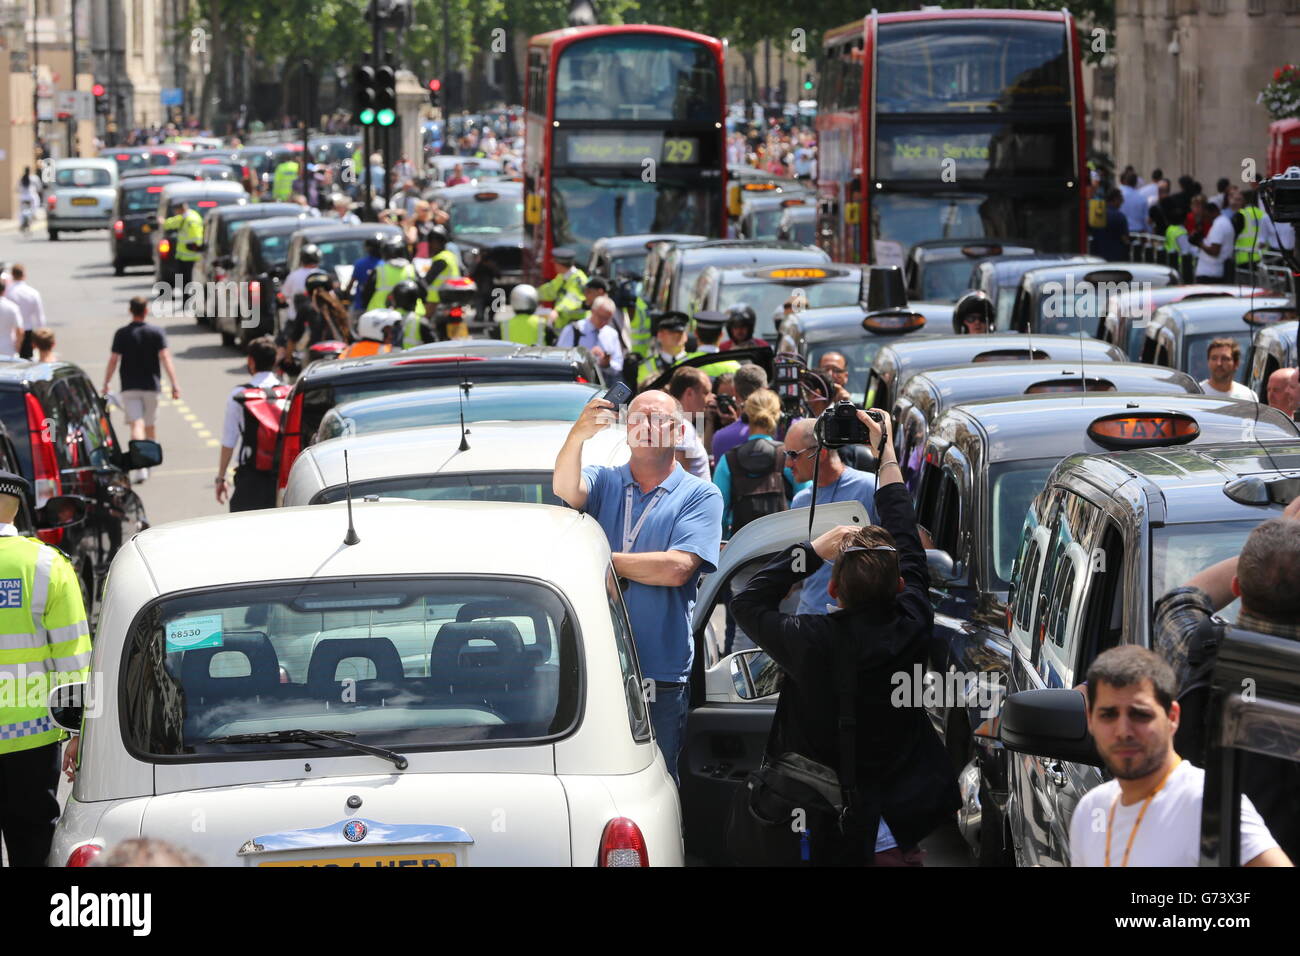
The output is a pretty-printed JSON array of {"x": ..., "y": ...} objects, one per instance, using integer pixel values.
[
  {"x": 263, "y": 412},
  {"x": 758, "y": 485}
]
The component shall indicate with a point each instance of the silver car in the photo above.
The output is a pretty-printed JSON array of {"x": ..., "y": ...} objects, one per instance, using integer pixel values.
[{"x": 80, "y": 195}]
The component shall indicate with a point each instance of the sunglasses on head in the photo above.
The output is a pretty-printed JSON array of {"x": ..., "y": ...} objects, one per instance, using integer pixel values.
[{"x": 878, "y": 547}]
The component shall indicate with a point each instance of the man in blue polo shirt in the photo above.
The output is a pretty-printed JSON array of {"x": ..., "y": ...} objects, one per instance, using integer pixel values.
[{"x": 665, "y": 528}]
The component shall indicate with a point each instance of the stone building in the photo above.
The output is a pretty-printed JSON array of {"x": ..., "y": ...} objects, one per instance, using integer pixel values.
[{"x": 1187, "y": 73}]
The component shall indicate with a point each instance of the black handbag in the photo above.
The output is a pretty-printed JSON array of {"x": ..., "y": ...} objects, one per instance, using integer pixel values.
[{"x": 790, "y": 797}]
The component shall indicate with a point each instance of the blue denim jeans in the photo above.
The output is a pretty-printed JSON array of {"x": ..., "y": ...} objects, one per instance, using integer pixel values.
[{"x": 668, "y": 716}]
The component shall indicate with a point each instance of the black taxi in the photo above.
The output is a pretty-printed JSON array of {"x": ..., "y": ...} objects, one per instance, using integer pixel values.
[
  {"x": 811, "y": 333},
  {"x": 760, "y": 213},
  {"x": 323, "y": 385},
  {"x": 1002, "y": 501},
  {"x": 1107, "y": 536},
  {"x": 1272, "y": 348},
  {"x": 941, "y": 269},
  {"x": 220, "y": 226},
  {"x": 1179, "y": 335},
  {"x": 767, "y": 289},
  {"x": 682, "y": 263},
  {"x": 1125, "y": 322},
  {"x": 896, "y": 362},
  {"x": 927, "y": 395},
  {"x": 135, "y": 219},
  {"x": 622, "y": 258},
  {"x": 998, "y": 277},
  {"x": 1072, "y": 297}
]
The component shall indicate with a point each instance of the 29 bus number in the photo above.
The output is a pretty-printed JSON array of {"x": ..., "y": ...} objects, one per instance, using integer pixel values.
[{"x": 679, "y": 150}]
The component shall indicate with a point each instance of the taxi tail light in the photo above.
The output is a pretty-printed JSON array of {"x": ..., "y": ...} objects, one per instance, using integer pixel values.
[
  {"x": 164, "y": 248},
  {"x": 50, "y": 200},
  {"x": 1009, "y": 619},
  {"x": 119, "y": 229},
  {"x": 292, "y": 440},
  {"x": 622, "y": 844},
  {"x": 84, "y": 855},
  {"x": 47, "y": 482},
  {"x": 1143, "y": 430},
  {"x": 456, "y": 313}
]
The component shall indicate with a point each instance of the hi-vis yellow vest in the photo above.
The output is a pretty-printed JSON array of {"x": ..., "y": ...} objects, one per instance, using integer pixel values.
[
  {"x": 44, "y": 639},
  {"x": 1246, "y": 248},
  {"x": 526, "y": 328},
  {"x": 566, "y": 290}
]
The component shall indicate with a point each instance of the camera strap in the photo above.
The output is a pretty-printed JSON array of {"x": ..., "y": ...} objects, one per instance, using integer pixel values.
[
  {"x": 630, "y": 533},
  {"x": 812, "y": 502}
]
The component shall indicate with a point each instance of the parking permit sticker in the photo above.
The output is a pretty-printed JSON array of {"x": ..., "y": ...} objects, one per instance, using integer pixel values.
[
  {"x": 11, "y": 592},
  {"x": 188, "y": 633}
]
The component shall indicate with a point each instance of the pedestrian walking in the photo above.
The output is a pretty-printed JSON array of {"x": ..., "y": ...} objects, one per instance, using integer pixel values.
[
  {"x": 252, "y": 424},
  {"x": 43, "y": 346},
  {"x": 140, "y": 348},
  {"x": 46, "y": 645},
  {"x": 11, "y": 325},
  {"x": 29, "y": 198},
  {"x": 835, "y": 719},
  {"x": 1150, "y": 813},
  {"x": 665, "y": 529},
  {"x": 21, "y": 293}
]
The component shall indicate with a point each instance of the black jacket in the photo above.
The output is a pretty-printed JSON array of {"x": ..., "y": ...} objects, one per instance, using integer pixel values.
[{"x": 901, "y": 764}]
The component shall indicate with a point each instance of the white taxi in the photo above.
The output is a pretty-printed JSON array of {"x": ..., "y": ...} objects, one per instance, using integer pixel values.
[
  {"x": 500, "y": 461},
  {"x": 456, "y": 687}
]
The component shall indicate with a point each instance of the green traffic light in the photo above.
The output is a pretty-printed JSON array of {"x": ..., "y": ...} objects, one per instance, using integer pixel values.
[
  {"x": 367, "y": 117},
  {"x": 386, "y": 117},
  {"x": 807, "y": 85}
]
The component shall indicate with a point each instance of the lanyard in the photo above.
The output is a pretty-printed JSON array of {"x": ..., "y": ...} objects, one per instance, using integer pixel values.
[
  {"x": 630, "y": 533},
  {"x": 1110, "y": 819}
]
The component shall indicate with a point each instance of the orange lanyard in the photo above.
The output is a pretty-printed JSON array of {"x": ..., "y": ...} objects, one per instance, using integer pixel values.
[{"x": 1110, "y": 819}]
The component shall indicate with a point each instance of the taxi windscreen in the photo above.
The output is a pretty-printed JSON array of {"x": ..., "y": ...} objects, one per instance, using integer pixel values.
[
  {"x": 1196, "y": 359},
  {"x": 487, "y": 217},
  {"x": 1012, "y": 487},
  {"x": 944, "y": 280},
  {"x": 340, "y": 252},
  {"x": 516, "y": 403},
  {"x": 859, "y": 352},
  {"x": 766, "y": 298},
  {"x": 524, "y": 487},
  {"x": 400, "y": 662},
  {"x": 1179, "y": 551}
]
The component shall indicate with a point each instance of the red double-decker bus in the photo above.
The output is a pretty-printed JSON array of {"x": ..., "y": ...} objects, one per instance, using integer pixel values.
[
  {"x": 625, "y": 134},
  {"x": 951, "y": 124}
]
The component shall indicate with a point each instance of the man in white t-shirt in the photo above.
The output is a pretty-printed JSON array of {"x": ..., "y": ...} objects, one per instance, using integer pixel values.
[
  {"x": 1150, "y": 814},
  {"x": 693, "y": 390},
  {"x": 1217, "y": 247},
  {"x": 11, "y": 327},
  {"x": 1224, "y": 356}
]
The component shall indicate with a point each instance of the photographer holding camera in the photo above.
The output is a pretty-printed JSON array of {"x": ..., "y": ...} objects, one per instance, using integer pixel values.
[{"x": 848, "y": 778}]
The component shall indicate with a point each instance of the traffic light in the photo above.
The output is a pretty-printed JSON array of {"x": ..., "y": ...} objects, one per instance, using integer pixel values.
[
  {"x": 385, "y": 96},
  {"x": 807, "y": 82},
  {"x": 435, "y": 92},
  {"x": 364, "y": 82},
  {"x": 102, "y": 106}
]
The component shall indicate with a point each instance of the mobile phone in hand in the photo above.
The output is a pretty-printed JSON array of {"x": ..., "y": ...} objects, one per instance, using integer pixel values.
[{"x": 618, "y": 394}]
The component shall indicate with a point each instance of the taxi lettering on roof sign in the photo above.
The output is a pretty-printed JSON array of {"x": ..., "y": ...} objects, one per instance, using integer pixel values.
[
  {"x": 1140, "y": 431},
  {"x": 791, "y": 273},
  {"x": 11, "y": 592}
]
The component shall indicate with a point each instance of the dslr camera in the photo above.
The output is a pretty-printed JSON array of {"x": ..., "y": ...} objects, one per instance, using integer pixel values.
[
  {"x": 839, "y": 426},
  {"x": 1281, "y": 195}
]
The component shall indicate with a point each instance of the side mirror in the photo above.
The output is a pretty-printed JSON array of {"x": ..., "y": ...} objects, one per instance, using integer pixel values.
[
  {"x": 1048, "y": 723},
  {"x": 943, "y": 570},
  {"x": 753, "y": 674},
  {"x": 144, "y": 453},
  {"x": 67, "y": 705},
  {"x": 62, "y": 511}
]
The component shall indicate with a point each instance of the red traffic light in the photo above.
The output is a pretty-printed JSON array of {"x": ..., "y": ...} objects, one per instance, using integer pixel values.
[
  {"x": 435, "y": 85},
  {"x": 97, "y": 89}
]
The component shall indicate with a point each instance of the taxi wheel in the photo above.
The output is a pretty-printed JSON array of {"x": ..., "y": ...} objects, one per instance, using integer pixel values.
[
  {"x": 54, "y": 235},
  {"x": 119, "y": 269},
  {"x": 228, "y": 340}
]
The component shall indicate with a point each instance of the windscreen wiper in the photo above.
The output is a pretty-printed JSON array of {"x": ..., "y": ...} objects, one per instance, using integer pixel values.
[{"x": 307, "y": 736}]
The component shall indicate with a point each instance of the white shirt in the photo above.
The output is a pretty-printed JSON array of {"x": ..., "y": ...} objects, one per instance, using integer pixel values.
[
  {"x": 29, "y": 303},
  {"x": 697, "y": 456},
  {"x": 1170, "y": 834},
  {"x": 1238, "y": 391},
  {"x": 1151, "y": 192},
  {"x": 295, "y": 282},
  {"x": 588, "y": 337},
  {"x": 1220, "y": 234},
  {"x": 234, "y": 419},
  {"x": 1134, "y": 208},
  {"x": 10, "y": 320},
  {"x": 8, "y": 530}
]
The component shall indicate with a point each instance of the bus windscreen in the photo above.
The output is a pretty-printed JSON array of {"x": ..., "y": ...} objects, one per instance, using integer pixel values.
[{"x": 631, "y": 77}]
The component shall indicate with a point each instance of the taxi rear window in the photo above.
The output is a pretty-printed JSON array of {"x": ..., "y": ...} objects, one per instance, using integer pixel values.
[
  {"x": 419, "y": 663},
  {"x": 83, "y": 177},
  {"x": 529, "y": 487}
]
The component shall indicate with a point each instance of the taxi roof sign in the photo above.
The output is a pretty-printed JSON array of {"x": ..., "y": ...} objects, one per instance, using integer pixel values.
[
  {"x": 785, "y": 203},
  {"x": 893, "y": 320},
  {"x": 484, "y": 197},
  {"x": 1011, "y": 355},
  {"x": 979, "y": 252},
  {"x": 758, "y": 187},
  {"x": 1050, "y": 386},
  {"x": 1270, "y": 316},
  {"x": 800, "y": 273},
  {"x": 1143, "y": 429}
]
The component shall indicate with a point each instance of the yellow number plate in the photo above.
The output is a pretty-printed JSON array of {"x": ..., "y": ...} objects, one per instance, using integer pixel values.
[
  {"x": 85, "y": 201},
  {"x": 417, "y": 859}
]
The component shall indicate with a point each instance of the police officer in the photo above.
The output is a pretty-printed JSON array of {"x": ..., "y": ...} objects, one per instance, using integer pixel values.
[
  {"x": 974, "y": 313},
  {"x": 670, "y": 336},
  {"x": 640, "y": 338},
  {"x": 46, "y": 644},
  {"x": 282, "y": 180},
  {"x": 417, "y": 327},
  {"x": 444, "y": 265},
  {"x": 188, "y": 226},
  {"x": 566, "y": 290},
  {"x": 387, "y": 274},
  {"x": 525, "y": 326},
  {"x": 1246, "y": 221},
  {"x": 708, "y": 330}
]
